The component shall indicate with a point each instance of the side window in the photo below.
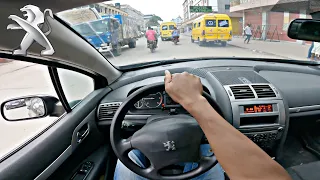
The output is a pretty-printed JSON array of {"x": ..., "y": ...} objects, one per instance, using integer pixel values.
[
  {"x": 21, "y": 83},
  {"x": 76, "y": 86},
  {"x": 194, "y": 25},
  {"x": 116, "y": 25},
  {"x": 211, "y": 23},
  {"x": 199, "y": 24},
  {"x": 165, "y": 27},
  {"x": 223, "y": 23}
]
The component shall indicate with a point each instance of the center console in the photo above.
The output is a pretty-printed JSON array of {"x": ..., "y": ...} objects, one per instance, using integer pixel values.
[{"x": 259, "y": 113}]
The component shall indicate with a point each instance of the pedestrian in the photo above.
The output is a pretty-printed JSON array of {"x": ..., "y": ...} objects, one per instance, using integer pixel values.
[
  {"x": 247, "y": 33},
  {"x": 310, "y": 50},
  {"x": 315, "y": 52}
]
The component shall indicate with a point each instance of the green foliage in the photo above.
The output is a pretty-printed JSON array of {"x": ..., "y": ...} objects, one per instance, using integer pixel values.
[{"x": 154, "y": 21}]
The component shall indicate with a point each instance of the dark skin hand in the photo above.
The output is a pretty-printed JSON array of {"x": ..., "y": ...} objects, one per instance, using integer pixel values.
[{"x": 238, "y": 155}]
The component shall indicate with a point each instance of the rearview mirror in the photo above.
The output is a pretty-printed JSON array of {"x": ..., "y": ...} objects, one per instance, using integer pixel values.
[
  {"x": 305, "y": 29},
  {"x": 30, "y": 107}
]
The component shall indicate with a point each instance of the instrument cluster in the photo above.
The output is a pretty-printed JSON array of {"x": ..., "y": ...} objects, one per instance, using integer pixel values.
[{"x": 156, "y": 100}]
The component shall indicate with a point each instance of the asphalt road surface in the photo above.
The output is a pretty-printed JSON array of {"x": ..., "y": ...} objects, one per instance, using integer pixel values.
[
  {"x": 21, "y": 79},
  {"x": 185, "y": 49}
]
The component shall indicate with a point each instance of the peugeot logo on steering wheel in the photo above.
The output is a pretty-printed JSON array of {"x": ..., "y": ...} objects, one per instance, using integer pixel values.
[{"x": 170, "y": 146}]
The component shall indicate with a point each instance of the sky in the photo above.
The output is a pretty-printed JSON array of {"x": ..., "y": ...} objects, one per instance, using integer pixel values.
[{"x": 166, "y": 9}]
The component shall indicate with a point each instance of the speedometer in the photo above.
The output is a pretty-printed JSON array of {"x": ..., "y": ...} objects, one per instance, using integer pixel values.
[
  {"x": 139, "y": 104},
  {"x": 153, "y": 100}
]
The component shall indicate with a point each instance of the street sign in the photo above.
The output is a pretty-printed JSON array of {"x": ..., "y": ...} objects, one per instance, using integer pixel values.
[
  {"x": 117, "y": 5},
  {"x": 201, "y": 9}
]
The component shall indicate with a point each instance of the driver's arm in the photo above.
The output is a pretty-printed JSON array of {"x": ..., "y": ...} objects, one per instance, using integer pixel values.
[{"x": 239, "y": 156}]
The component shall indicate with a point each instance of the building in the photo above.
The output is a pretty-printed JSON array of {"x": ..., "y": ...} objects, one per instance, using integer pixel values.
[
  {"x": 110, "y": 9},
  {"x": 218, "y": 6},
  {"x": 178, "y": 21},
  {"x": 132, "y": 12},
  {"x": 104, "y": 8},
  {"x": 270, "y": 19}
]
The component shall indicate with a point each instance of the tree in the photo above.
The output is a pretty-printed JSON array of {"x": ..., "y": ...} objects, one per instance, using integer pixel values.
[{"x": 154, "y": 21}]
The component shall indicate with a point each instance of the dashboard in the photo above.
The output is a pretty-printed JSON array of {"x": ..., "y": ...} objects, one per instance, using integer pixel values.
[{"x": 256, "y": 97}]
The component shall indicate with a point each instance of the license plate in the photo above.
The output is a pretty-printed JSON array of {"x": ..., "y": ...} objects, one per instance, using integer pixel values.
[{"x": 222, "y": 36}]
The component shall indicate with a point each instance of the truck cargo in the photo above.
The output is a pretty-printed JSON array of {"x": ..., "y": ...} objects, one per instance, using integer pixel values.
[
  {"x": 104, "y": 32},
  {"x": 77, "y": 16},
  {"x": 120, "y": 31}
]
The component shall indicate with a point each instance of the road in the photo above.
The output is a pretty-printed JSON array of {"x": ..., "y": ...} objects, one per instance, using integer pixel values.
[
  {"x": 20, "y": 79},
  {"x": 185, "y": 49}
]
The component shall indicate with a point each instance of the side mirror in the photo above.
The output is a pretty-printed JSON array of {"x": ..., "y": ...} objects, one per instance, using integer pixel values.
[
  {"x": 29, "y": 107},
  {"x": 305, "y": 29}
]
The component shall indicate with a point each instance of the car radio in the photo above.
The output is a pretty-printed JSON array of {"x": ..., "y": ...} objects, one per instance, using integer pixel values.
[
  {"x": 257, "y": 108},
  {"x": 258, "y": 114}
]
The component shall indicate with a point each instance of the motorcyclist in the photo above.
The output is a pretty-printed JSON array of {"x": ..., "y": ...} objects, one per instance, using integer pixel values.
[
  {"x": 151, "y": 35},
  {"x": 175, "y": 33}
]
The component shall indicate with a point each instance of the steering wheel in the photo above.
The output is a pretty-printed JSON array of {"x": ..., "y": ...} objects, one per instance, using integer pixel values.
[{"x": 168, "y": 141}]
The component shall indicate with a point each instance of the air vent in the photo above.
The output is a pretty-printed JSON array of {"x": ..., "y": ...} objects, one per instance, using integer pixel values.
[
  {"x": 106, "y": 111},
  {"x": 264, "y": 91},
  {"x": 242, "y": 92}
]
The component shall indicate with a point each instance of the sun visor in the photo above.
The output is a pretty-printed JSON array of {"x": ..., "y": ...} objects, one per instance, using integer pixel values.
[{"x": 30, "y": 30}]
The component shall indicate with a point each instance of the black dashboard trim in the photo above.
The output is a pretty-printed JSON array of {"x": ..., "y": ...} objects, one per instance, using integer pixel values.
[
  {"x": 304, "y": 109},
  {"x": 223, "y": 99},
  {"x": 305, "y": 114},
  {"x": 309, "y": 70},
  {"x": 177, "y": 61}
]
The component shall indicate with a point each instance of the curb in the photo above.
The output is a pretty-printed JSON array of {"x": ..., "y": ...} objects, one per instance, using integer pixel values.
[{"x": 4, "y": 61}]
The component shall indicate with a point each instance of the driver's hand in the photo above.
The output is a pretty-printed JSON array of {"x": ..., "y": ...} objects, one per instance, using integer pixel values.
[{"x": 183, "y": 88}]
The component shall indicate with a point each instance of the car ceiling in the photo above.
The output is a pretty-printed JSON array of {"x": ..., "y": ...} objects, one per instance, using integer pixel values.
[{"x": 74, "y": 50}]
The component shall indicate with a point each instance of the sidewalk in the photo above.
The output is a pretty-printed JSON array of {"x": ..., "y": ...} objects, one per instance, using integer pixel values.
[
  {"x": 12, "y": 66},
  {"x": 283, "y": 49},
  {"x": 3, "y": 61}
]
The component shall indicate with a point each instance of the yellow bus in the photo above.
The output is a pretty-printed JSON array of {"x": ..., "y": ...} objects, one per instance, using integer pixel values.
[
  {"x": 215, "y": 28},
  {"x": 166, "y": 29}
]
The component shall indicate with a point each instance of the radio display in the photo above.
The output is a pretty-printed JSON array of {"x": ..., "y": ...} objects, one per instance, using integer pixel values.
[{"x": 258, "y": 108}]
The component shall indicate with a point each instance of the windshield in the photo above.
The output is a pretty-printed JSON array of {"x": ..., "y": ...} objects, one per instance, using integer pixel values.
[
  {"x": 218, "y": 29},
  {"x": 100, "y": 26},
  {"x": 84, "y": 29}
]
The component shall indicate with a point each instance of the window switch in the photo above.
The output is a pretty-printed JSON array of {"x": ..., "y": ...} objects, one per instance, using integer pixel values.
[{"x": 85, "y": 168}]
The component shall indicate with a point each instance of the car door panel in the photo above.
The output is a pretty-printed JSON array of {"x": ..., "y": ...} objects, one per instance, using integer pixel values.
[
  {"x": 71, "y": 168},
  {"x": 35, "y": 157},
  {"x": 83, "y": 152}
]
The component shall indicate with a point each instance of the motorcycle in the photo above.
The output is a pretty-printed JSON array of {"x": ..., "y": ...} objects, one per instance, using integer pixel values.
[
  {"x": 175, "y": 40},
  {"x": 152, "y": 46}
]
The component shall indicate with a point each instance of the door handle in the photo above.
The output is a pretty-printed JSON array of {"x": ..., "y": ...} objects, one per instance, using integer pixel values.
[{"x": 83, "y": 132}]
